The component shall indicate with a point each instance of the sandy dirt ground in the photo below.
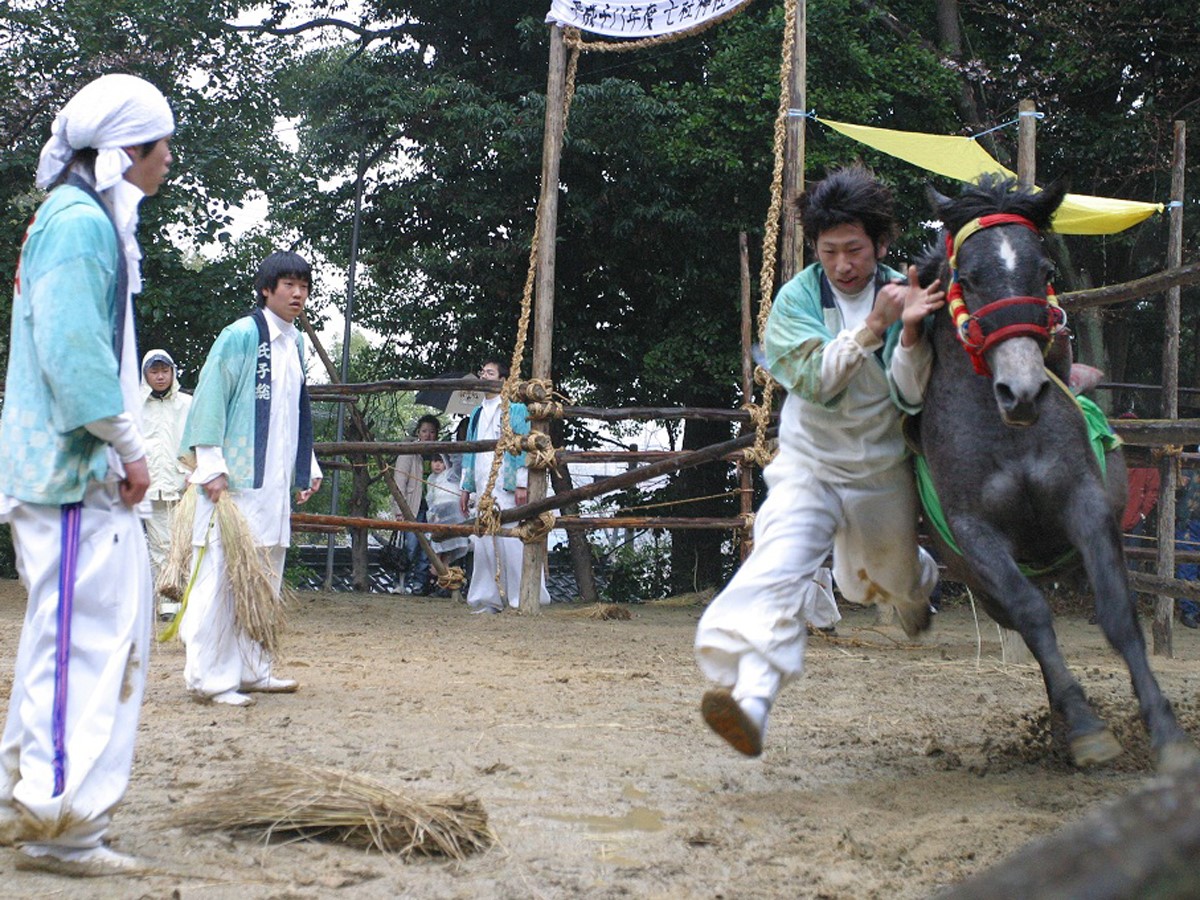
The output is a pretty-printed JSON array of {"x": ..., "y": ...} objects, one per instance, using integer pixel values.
[{"x": 892, "y": 770}]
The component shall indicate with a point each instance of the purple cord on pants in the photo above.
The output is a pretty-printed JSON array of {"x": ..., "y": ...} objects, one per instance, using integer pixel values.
[{"x": 69, "y": 559}]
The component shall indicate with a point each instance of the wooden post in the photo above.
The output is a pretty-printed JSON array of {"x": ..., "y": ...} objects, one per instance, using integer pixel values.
[
  {"x": 792, "y": 256},
  {"x": 1026, "y": 143},
  {"x": 1164, "y": 606},
  {"x": 745, "y": 470},
  {"x": 534, "y": 560},
  {"x": 1012, "y": 646}
]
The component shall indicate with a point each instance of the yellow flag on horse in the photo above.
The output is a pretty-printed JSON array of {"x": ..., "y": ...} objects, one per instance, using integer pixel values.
[{"x": 963, "y": 159}]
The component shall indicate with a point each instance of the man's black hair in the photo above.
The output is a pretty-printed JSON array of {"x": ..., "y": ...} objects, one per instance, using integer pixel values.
[
  {"x": 847, "y": 196},
  {"x": 85, "y": 157},
  {"x": 280, "y": 264},
  {"x": 501, "y": 366}
]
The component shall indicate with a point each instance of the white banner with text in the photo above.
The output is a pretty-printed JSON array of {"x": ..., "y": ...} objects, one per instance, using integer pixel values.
[{"x": 637, "y": 18}]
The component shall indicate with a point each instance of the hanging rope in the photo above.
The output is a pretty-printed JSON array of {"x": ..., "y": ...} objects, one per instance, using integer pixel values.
[
  {"x": 487, "y": 517},
  {"x": 760, "y": 413}
]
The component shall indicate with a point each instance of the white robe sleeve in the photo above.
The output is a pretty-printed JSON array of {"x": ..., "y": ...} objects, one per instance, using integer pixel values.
[
  {"x": 210, "y": 462},
  {"x": 911, "y": 367},
  {"x": 842, "y": 357}
]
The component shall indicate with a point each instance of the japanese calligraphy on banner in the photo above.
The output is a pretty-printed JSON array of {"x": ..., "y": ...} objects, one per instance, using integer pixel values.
[{"x": 637, "y": 18}]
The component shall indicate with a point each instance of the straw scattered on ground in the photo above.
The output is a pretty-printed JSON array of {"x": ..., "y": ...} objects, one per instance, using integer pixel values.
[
  {"x": 601, "y": 611},
  {"x": 692, "y": 598},
  {"x": 295, "y": 802}
]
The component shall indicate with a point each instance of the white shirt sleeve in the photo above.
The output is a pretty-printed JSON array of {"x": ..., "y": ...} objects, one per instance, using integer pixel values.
[
  {"x": 843, "y": 356},
  {"x": 210, "y": 462},
  {"x": 314, "y": 471},
  {"x": 910, "y": 370},
  {"x": 122, "y": 433}
]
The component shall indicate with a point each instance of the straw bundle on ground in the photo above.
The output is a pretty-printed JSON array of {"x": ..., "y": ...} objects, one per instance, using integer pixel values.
[
  {"x": 292, "y": 801},
  {"x": 693, "y": 598},
  {"x": 173, "y": 578},
  {"x": 259, "y": 610},
  {"x": 603, "y": 611}
]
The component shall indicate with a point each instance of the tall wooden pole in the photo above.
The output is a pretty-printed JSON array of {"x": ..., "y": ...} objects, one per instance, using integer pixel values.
[
  {"x": 1164, "y": 607},
  {"x": 1026, "y": 143},
  {"x": 1013, "y": 649},
  {"x": 792, "y": 233},
  {"x": 543, "y": 313},
  {"x": 745, "y": 470}
]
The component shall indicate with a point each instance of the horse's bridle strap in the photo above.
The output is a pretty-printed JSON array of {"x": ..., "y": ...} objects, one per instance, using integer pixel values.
[
  {"x": 1008, "y": 317},
  {"x": 952, "y": 244}
]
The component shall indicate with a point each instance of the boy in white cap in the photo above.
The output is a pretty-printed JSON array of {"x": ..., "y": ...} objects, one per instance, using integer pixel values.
[
  {"x": 164, "y": 412},
  {"x": 72, "y": 471}
]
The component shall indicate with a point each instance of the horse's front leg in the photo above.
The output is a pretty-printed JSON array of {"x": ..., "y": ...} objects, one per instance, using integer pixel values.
[
  {"x": 1104, "y": 561},
  {"x": 989, "y": 553}
]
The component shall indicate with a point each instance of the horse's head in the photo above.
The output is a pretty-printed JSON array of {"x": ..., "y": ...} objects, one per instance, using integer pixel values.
[{"x": 999, "y": 295}]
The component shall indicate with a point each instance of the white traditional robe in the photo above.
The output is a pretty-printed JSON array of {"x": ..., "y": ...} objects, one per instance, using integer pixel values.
[
  {"x": 496, "y": 572},
  {"x": 219, "y": 657}
]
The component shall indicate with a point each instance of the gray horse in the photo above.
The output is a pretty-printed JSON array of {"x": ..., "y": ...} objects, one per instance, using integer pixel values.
[{"x": 1023, "y": 489}]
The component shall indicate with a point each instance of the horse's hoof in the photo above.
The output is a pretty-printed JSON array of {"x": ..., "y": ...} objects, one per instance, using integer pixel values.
[
  {"x": 1095, "y": 748},
  {"x": 915, "y": 618},
  {"x": 1177, "y": 756}
]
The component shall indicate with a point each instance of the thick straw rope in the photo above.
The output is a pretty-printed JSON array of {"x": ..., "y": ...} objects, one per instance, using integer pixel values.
[{"x": 760, "y": 413}]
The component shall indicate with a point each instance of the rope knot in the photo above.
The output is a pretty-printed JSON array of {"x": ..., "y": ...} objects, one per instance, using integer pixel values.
[
  {"x": 548, "y": 410},
  {"x": 453, "y": 580},
  {"x": 534, "y": 530},
  {"x": 487, "y": 515},
  {"x": 535, "y": 390}
]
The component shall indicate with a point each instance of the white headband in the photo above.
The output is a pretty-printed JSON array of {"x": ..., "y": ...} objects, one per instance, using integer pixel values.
[{"x": 110, "y": 113}]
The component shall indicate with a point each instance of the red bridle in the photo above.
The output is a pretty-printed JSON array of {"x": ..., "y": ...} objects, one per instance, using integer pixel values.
[{"x": 1037, "y": 317}]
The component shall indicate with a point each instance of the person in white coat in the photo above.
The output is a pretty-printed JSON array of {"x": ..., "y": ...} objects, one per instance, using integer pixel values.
[
  {"x": 498, "y": 561},
  {"x": 164, "y": 412}
]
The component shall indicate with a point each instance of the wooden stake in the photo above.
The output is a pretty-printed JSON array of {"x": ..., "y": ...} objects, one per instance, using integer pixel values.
[
  {"x": 745, "y": 471},
  {"x": 792, "y": 237},
  {"x": 543, "y": 312},
  {"x": 1164, "y": 606}
]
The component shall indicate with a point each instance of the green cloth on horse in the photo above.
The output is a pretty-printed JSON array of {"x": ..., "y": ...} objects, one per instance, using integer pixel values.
[{"x": 1102, "y": 439}]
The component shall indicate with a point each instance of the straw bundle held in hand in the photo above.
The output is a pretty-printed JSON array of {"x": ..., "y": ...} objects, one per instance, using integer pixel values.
[
  {"x": 284, "y": 800},
  {"x": 177, "y": 569},
  {"x": 258, "y": 609}
]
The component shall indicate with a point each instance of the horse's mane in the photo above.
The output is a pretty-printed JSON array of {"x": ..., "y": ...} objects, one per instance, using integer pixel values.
[
  {"x": 990, "y": 194},
  {"x": 1001, "y": 194}
]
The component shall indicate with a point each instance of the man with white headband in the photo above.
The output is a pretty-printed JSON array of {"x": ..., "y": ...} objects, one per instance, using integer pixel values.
[{"x": 73, "y": 473}]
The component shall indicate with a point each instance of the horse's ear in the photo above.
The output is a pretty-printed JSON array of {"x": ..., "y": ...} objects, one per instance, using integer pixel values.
[
  {"x": 937, "y": 201},
  {"x": 929, "y": 263},
  {"x": 1047, "y": 200}
]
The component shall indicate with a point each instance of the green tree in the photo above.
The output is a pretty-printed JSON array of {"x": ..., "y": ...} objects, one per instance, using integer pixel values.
[{"x": 220, "y": 83}]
